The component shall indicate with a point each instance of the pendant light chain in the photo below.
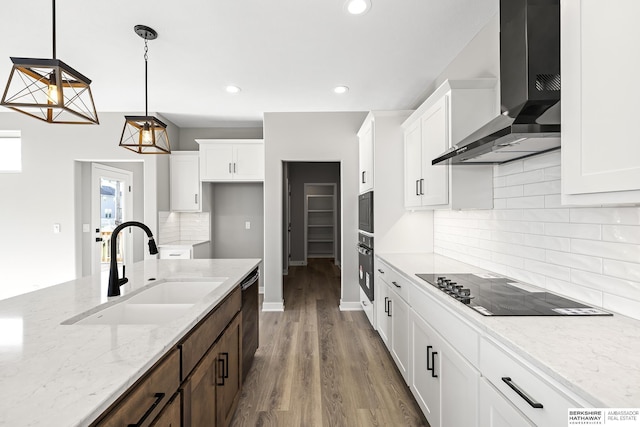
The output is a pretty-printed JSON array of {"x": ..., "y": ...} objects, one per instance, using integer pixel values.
[
  {"x": 146, "y": 60},
  {"x": 54, "y": 28}
]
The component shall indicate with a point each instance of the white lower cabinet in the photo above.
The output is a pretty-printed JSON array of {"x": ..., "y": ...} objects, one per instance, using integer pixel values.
[
  {"x": 383, "y": 319},
  {"x": 441, "y": 379},
  {"x": 496, "y": 410},
  {"x": 399, "y": 312}
]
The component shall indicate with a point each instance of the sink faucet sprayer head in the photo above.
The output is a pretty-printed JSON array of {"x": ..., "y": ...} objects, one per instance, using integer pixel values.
[{"x": 153, "y": 249}]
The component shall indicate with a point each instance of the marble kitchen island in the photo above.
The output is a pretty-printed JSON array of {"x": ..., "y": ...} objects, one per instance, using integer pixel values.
[{"x": 55, "y": 374}]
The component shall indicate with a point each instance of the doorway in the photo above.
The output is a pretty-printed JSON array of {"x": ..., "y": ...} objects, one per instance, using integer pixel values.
[
  {"x": 111, "y": 205},
  {"x": 311, "y": 234}
]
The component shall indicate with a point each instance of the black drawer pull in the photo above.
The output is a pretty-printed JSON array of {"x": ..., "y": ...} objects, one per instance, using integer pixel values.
[
  {"x": 396, "y": 285},
  {"x": 226, "y": 364},
  {"x": 521, "y": 393},
  {"x": 159, "y": 397},
  {"x": 432, "y": 368},
  {"x": 381, "y": 271},
  {"x": 389, "y": 308},
  {"x": 386, "y": 305},
  {"x": 221, "y": 372}
]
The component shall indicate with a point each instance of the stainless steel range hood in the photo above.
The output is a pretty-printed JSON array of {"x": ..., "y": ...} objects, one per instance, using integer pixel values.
[{"x": 529, "y": 89}]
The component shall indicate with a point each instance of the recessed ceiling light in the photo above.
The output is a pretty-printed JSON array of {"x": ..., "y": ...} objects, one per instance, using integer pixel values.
[
  {"x": 233, "y": 89},
  {"x": 341, "y": 89},
  {"x": 358, "y": 7}
]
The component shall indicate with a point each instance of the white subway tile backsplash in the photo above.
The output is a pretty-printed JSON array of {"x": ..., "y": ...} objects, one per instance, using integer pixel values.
[
  {"x": 526, "y": 177},
  {"x": 620, "y": 215},
  {"x": 590, "y": 254},
  {"x": 546, "y": 215},
  {"x": 611, "y": 250},
  {"x": 176, "y": 226},
  {"x": 546, "y": 269},
  {"x": 621, "y": 233},
  {"x": 505, "y": 192},
  {"x": 542, "y": 161},
  {"x": 584, "y": 231},
  {"x": 581, "y": 262},
  {"x": 622, "y": 269},
  {"x": 548, "y": 242},
  {"x": 607, "y": 284},
  {"x": 531, "y": 202},
  {"x": 541, "y": 188}
]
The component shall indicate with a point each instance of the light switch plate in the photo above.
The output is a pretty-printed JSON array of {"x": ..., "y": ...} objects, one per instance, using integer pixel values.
[
  {"x": 247, "y": 225},
  {"x": 56, "y": 228},
  {"x": 86, "y": 228}
]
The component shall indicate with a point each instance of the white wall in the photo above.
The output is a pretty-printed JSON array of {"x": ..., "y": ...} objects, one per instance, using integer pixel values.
[
  {"x": 590, "y": 254},
  {"x": 32, "y": 256},
  {"x": 324, "y": 137}
]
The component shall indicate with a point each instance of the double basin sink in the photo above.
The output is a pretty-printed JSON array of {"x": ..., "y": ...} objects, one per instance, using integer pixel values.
[{"x": 159, "y": 303}]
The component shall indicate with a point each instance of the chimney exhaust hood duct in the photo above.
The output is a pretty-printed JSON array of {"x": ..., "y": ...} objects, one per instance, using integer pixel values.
[{"x": 529, "y": 89}]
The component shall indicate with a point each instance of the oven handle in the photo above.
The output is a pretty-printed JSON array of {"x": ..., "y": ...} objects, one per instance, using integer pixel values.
[{"x": 364, "y": 250}]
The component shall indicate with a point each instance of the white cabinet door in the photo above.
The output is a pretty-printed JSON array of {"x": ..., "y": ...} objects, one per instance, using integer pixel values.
[
  {"x": 400, "y": 333},
  {"x": 434, "y": 186},
  {"x": 496, "y": 411},
  {"x": 424, "y": 381},
  {"x": 383, "y": 319},
  {"x": 248, "y": 163},
  {"x": 185, "y": 186},
  {"x": 216, "y": 162},
  {"x": 412, "y": 165},
  {"x": 459, "y": 384},
  {"x": 600, "y": 149},
  {"x": 366, "y": 158}
]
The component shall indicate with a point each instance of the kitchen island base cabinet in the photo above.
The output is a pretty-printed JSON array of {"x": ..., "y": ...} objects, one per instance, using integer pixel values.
[{"x": 171, "y": 416}]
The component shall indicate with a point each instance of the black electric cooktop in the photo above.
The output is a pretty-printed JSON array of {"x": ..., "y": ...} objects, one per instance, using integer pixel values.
[{"x": 492, "y": 295}]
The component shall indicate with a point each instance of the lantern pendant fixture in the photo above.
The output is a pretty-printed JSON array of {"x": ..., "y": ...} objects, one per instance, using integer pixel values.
[
  {"x": 49, "y": 89},
  {"x": 145, "y": 134}
]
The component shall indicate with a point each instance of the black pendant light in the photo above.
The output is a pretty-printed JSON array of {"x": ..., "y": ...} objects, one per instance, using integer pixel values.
[
  {"x": 145, "y": 134},
  {"x": 49, "y": 89}
]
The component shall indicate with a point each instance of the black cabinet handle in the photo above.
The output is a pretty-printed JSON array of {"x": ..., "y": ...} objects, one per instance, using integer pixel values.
[
  {"x": 226, "y": 364},
  {"x": 221, "y": 371},
  {"x": 386, "y": 305},
  {"x": 422, "y": 186},
  {"x": 521, "y": 393},
  {"x": 381, "y": 272},
  {"x": 363, "y": 179},
  {"x": 417, "y": 191},
  {"x": 229, "y": 167},
  {"x": 98, "y": 239},
  {"x": 396, "y": 285},
  {"x": 159, "y": 397},
  {"x": 431, "y": 368},
  {"x": 389, "y": 308}
]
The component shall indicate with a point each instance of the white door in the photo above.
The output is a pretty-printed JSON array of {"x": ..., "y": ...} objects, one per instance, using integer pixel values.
[
  {"x": 459, "y": 383},
  {"x": 382, "y": 308},
  {"x": 366, "y": 159},
  {"x": 400, "y": 334},
  {"x": 412, "y": 166},
  {"x": 434, "y": 187},
  {"x": 111, "y": 205},
  {"x": 248, "y": 162},
  {"x": 216, "y": 162},
  {"x": 425, "y": 377},
  {"x": 184, "y": 184}
]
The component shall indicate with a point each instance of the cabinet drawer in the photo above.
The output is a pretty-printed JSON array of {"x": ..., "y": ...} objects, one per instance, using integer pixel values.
[
  {"x": 166, "y": 253},
  {"x": 382, "y": 270},
  {"x": 145, "y": 399},
  {"x": 203, "y": 335},
  {"x": 395, "y": 281},
  {"x": 499, "y": 368},
  {"x": 462, "y": 336}
]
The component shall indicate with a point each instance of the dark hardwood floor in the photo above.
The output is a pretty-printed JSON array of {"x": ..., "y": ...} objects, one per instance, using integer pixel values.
[{"x": 318, "y": 366}]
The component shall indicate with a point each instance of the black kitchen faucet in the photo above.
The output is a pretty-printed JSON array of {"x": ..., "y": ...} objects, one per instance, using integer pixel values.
[{"x": 114, "y": 281}]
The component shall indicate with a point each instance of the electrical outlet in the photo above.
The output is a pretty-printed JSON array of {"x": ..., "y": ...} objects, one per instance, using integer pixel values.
[
  {"x": 56, "y": 228},
  {"x": 247, "y": 225}
]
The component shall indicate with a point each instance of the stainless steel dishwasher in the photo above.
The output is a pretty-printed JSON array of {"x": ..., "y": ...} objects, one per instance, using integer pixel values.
[{"x": 250, "y": 325}]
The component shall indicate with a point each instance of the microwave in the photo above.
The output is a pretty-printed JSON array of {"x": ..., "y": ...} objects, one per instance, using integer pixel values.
[{"x": 365, "y": 212}]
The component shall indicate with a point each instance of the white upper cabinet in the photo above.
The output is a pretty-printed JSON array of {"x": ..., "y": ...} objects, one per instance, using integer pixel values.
[
  {"x": 185, "y": 187},
  {"x": 600, "y": 147},
  {"x": 231, "y": 160},
  {"x": 454, "y": 110},
  {"x": 365, "y": 140}
]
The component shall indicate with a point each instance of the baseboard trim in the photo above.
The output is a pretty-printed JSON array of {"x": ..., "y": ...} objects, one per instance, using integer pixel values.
[
  {"x": 297, "y": 263},
  {"x": 350, "y": 306},
  {"x": 273, "y": 306}
]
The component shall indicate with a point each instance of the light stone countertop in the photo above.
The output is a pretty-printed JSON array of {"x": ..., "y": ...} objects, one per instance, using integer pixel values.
[
  {"x": 182, "y": 244},
  {"x": 597, "y": 358},
  {"x": 67, "y": 375}
]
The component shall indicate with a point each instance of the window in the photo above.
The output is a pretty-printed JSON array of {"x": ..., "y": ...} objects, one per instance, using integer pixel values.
[{"x": 11, "y": 149}]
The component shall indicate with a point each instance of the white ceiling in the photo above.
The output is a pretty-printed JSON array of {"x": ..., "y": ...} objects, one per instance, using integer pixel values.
[{"x": 286, "y": 55}]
